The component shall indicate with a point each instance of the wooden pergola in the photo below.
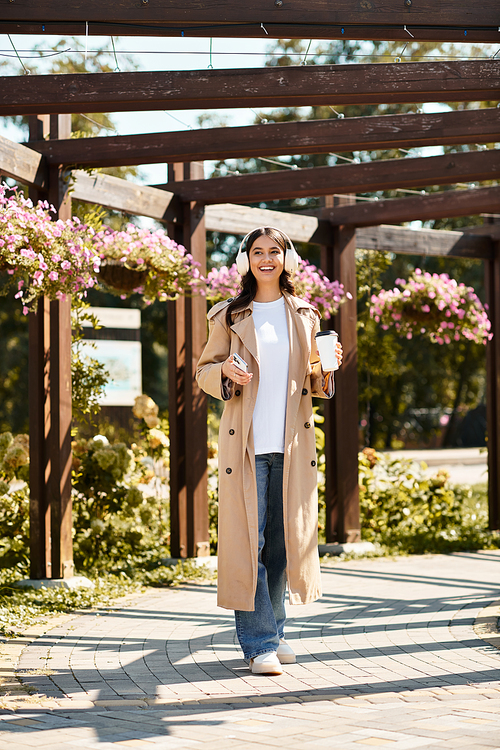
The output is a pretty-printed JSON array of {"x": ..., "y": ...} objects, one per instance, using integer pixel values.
[{"x": 188, "y": 204}]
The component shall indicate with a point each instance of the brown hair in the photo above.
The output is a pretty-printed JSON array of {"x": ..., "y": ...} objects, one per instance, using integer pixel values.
[{"x": 249, "y": 282}]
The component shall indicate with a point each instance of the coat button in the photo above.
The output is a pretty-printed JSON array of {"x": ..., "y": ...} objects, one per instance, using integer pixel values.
[
  {"x": 307, "y": 425},
  {"x": 313, "y": 463},
  {"x": 237, "y": 393},
  {"x": 229, "y": 471},
  {"x": 304, "y": 391},
  {"x": 231, "y": 432}
]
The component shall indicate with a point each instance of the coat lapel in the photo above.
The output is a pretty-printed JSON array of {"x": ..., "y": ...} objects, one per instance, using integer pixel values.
[{"x": 245, "y": 330}]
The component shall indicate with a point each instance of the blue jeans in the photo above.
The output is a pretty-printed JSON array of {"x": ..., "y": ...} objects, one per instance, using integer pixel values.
[{"x": 259, "y": 631}]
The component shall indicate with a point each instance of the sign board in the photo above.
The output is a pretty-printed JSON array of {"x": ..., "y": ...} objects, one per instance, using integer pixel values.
[{"x": 121, "y": 358}]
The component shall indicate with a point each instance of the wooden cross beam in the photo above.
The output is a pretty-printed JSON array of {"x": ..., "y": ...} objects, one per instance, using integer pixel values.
[
  {"x": 350, "y": 178},
  {"x": 308, "y": 137},
  {"x": 240, "y": 220},
  {"x": 117, "y": 194},
  {"x": 293, "y": 86},
  {"x": 23, "y": 164},
  {"x": 455, "y": 20},
  {"x": 419, "y": 207}
]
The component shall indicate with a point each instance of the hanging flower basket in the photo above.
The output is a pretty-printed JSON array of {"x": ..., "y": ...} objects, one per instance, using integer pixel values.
[
  {"x": 121, "y": 278},
  {"x": 432, "y": 305},
  {"x": 412, "y": 313},
  {"x": 310, "y": 284},
  {"x": 150, "y": 263},
  {"x": 43, "y": 257}
]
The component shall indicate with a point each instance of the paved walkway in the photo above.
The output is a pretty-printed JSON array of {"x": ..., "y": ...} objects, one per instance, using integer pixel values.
[{"x": 390, "y": 657}]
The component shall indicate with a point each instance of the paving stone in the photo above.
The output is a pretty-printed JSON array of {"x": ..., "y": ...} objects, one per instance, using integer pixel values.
[{"x": 388, "y": 658}]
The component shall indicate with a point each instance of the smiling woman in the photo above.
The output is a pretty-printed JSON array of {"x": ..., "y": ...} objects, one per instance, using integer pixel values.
[{"x": 268, "y": 520}]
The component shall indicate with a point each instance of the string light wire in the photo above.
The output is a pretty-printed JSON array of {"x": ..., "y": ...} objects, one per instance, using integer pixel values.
[
  {"x": 39, "y": 56},
  {"x": 117, "y": 68},
  {"x": 304, "y": 59},
  {"x": 28, "y": 54},
  {"x": 17, "y": 55}
]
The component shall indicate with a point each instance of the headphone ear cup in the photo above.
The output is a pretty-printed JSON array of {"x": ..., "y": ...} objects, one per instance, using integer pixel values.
[
  {"x": 242, "y": 263},
  {"x": 292, "y": 260}
]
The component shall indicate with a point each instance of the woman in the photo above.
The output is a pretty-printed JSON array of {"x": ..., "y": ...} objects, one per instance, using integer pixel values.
[{"x": 268, "y": 507}]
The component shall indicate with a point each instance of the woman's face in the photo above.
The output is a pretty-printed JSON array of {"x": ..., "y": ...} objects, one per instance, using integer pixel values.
[{"x": 267, "y": 260}]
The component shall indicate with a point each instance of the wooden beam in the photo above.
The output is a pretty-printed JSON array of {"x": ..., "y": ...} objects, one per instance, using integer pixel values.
[
  {"x": 347, "y": 178},
  {"x": 187, "y": 334},
  {"x": 442, "y": 205},
  {"x": 341, "y": 431},
  {"x": 385, "y": 32},
  {"x": 457, "y": 80},
  {"x": 308, "y": 137},
  {"x": 233, "y": 219},
  {"x": 422, "y": 13},
  {"x": 434, "y": 242},
  {"x": 23, "y": 164},
  {"x": 239, "y": 220},
  {"x": 122, "y": 195},
  {"x": 492, "y": 285},
  {"x": 489, "y": 230},
  {"x": 345, "y": 513},
  {"x": 51, "y": 545}
]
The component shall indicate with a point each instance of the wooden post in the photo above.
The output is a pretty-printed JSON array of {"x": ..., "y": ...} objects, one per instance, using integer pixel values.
[
  {"x": 341, "y": 413},
  {"x": 187, "y": 332},
  {"x": 39, "y": 409},
  {"x": 51, "y": 545},
  {"x": 39, "y": 418},
  {"x": 492, "y": 283}
]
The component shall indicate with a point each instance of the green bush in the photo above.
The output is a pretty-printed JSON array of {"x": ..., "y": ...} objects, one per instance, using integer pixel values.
[
  {"x": 120, "y": 503},
  {"x": 14, "y": 500},
  {"x": 408, "y": 512},
  {"x": 117, "y": 526}
]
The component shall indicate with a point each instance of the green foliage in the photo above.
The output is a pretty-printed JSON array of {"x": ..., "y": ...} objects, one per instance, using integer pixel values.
[
  {"x": 213, "y": 503},
  {"x": 88, "y": 375},
  {"x": 14, "y": 499},
  {"x": 13, "y": 364},
  {"x": 408, "y": 512},
  {"x": 21, "y": 607},
  {"x": 116, "y": 522}
]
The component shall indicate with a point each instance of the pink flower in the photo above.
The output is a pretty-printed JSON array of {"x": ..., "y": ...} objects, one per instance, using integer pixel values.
[{"x": 53, "y": 275}]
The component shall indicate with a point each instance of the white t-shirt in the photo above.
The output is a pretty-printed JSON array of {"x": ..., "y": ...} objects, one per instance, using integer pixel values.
[{"x": 270, "y": 407}]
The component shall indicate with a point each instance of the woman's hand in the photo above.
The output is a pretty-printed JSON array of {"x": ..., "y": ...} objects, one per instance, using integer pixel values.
[
  {"x": 230, "y": 371},
  {"x": 339, "y": 353}
]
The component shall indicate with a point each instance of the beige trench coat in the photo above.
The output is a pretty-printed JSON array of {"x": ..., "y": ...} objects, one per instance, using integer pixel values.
[{"x": 238, "y": 518}]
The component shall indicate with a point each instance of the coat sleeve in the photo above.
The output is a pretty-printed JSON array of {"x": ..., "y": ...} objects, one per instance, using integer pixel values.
[
  {"x": 322, "y": 383},
  {"x": 209, "y": 369}
]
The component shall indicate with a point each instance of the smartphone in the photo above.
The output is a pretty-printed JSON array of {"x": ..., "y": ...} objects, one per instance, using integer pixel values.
[{"x": 239, "y": 362}]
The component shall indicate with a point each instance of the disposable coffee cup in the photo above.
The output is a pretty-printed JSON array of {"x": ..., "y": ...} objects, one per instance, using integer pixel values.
[{"x": 326, "y": 342}]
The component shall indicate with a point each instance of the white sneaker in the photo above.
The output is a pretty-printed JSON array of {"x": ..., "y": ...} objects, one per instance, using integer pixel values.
[
  {"x": 285, "y": 653},
  {"x": 266, "y": 664}
]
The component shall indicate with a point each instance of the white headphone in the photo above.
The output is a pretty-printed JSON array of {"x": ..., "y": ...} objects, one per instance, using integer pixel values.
[{"x": 292, "y": 258}]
